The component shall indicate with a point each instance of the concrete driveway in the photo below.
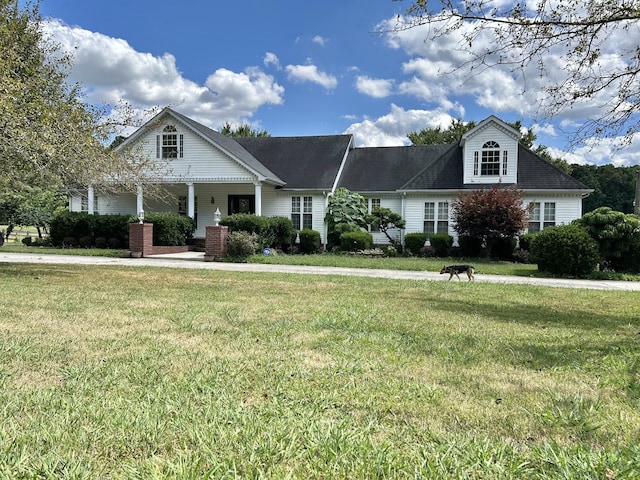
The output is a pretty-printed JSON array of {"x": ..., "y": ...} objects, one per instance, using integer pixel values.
[{"x": 195, "y": 260}]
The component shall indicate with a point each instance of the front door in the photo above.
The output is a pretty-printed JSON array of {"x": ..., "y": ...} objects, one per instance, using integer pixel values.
[{"x": 241, "y": 204}]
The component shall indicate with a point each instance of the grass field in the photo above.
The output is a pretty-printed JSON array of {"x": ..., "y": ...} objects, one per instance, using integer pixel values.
[{"x": 158, "y": 373}]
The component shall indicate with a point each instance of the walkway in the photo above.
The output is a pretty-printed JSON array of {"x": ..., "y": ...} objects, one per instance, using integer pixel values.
[{"x": 195, "y": 260}]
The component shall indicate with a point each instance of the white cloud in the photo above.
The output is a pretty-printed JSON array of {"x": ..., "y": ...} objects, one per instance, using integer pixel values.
[
  {"x": 310, "y": 73},
  {"x": 374, "y": 87},
  {"x": 319, "y": 40},
  {"x": 271, "y": 59},
  {"x": 391, "y": 129},
  {"x": 116, "y": 72},
  {"x": 603, "y": 151}
]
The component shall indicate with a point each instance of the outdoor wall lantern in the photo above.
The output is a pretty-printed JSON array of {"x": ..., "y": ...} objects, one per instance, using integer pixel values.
[
  {"x": 141, "y": 216},
  {"x": 217, "y": 215}
]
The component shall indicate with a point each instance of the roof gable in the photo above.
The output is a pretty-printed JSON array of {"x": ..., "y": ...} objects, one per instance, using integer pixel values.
[
  {"x": 227, "y": 145},
  {"x": 490, "y": 122}
]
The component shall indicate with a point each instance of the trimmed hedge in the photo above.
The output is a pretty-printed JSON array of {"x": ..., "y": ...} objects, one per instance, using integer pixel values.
[
  {"x": 68, "y": 228},
  {"x": 275, "y": 232},
  {"x": 309, "y": 241},
  {"x": 171, "y": 229},
  {"x": 414, "y": 242},
  {"x": 354, "y": 241},
  {"x": 441, "y": 243},
  {"x": 565, "y": 250}
]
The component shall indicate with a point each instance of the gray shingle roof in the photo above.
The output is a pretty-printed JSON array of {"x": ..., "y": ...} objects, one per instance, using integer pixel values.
[
  {"x": 383, "y": 169},
  {"x": 304, "y": 162},
  {"x": 439, "y": 167},
  {"x": 535, "y": 173}
]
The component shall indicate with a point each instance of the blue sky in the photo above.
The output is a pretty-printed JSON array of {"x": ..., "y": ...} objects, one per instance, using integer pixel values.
[{"x": 295, "y": 68}]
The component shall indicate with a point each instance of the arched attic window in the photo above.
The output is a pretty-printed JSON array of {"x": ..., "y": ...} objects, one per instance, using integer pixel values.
[
  {"x": 487, "y": 161},
  {"x": 169, "y": 144}
]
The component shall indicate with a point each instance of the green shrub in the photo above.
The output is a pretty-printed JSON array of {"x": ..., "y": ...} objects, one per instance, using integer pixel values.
[
  {"x": 66, "y": 224},
  {"x": 309, "y": 241},
  {"x": 470, "y": 246},
  {"x": 336, "y": 231},
  {"x": 441, "y": 243},
  {"x": 525, "y": 240},
  {"x": 354, "y": 241},
  {"x": 275, "y": 232},
  {"x": 170, "y": 229},
  {"x": 414, "y": 242},
  {"x": 85, "y": 242},
  {"x": 503, "y": 248},
  {"x": 80, "y": 224},
  {"x": 565, "y": 250},
  {"x": 281, "y": 233},
  {"x": 245, "y": 222},
  {"x": 241, "y": 245},
  {"x": 633, "y": 258}
]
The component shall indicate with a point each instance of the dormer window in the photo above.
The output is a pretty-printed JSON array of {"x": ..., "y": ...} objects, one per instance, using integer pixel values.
[
  {"x": 169, "y": 144},
  {"x": 487, "y": 161}
]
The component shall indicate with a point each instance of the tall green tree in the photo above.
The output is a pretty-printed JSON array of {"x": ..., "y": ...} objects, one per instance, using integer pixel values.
[
  {"x": 520, "y": 35},
  {"x": 613, "y": 187},
  {"x": 50, "y": 136},
  {"x": 457, "y": 128},
  {"x": 242, "y": 131}
]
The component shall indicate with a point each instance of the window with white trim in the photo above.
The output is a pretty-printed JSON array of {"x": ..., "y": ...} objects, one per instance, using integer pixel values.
[
  {"x": 490, "y": 164},
  {"x": 170, "y": 144},
  {"x": 302, "y": 213},
  {"x": 84, "y": 204},
  {"x": 436, "y": 218},
  {"x": 542, "y": 215},
  {"x": 549, "y": 214}
]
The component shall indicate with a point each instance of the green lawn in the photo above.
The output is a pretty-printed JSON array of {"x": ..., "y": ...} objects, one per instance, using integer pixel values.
[{"x": 161, "y": 373}]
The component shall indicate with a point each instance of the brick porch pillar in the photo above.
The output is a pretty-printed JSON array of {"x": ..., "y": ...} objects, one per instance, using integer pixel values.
[
  {"x": 141, "y": 239},
  {"x": 215, "y": 244}
]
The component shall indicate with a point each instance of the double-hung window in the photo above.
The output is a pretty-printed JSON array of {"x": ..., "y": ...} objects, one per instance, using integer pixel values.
[
  {"x": 542, "y": 215},
  {"x": 302, "y": 212},
  {"x": 170, "y": 144},
  {"x": 436, "y": 218},
  {"x": 549, "y": 214},
  {"x": 490, "y": 164}
]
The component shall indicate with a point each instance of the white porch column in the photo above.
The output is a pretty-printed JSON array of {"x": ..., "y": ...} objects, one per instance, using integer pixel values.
[
  {"x": 191, "y": 201},
  {"x": 258, "y": 193},
  {"x": 139, "y": 200},
  {"x": 90, "y": 200}
]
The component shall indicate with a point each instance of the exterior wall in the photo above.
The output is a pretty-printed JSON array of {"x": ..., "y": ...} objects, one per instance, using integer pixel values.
[
  {"x": 277, "y": 203},
  {"x": 568, "y": 207},
  {"x": 121, "y": 204},
  {"x": 414, "y": 212},
  {"x": 201, "y": 160},
  {"x": 474, "y": 143},
  {"x": 394, "y": 203}
]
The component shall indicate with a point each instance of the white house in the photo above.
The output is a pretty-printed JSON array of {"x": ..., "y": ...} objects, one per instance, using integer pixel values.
[{"x": 295, "y": 176}]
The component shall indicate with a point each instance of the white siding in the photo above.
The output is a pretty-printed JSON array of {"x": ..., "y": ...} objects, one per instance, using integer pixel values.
[
  {"x": 568, "y": 207},
  {"x": 474, "y": 144},
  {"x": 201, "y": 160}
]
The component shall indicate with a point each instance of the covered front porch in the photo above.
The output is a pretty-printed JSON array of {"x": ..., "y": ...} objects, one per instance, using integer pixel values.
[{"x": 195, "y": 200}]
